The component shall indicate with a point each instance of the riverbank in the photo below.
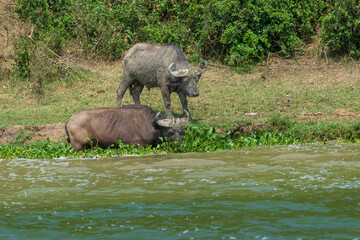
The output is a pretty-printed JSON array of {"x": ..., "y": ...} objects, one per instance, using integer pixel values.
[
  {"x": 195, "y": 139},
  {"x": 321, "y": 92},
  {"x": 324, "y": 100},
  {"x": 308, "y": 98}
]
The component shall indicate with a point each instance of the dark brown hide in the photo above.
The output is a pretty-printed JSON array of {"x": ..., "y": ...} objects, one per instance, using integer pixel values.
[{"x": 132, "y": 124}]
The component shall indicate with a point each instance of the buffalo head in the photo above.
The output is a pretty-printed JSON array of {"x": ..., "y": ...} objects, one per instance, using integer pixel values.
[
  {"x": 171, "y": 128},
  {"x": 189, "y": 78}
]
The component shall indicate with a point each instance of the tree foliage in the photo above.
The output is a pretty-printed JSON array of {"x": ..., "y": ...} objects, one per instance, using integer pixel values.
[
  {"x": 341, "y": 29},
  {"x": 238, "y": 33}
]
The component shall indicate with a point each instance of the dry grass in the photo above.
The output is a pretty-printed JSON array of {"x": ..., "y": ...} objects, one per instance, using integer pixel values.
[{"x": 319, "y": 91}]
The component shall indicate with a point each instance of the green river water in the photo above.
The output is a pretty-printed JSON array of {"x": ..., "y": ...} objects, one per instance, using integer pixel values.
[{"x": 282, "y": 192}]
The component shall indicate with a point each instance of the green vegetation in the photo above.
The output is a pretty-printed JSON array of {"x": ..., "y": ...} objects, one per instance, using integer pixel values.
[
  {"x": 237, "y": 33},
  {"x": 205, "y": 139},
  {"x": 66, "y": 59},
  {"x": 195, "y": 140},
  {"x": 341, "y": 29},
  {"x": 324, "y": 106}
]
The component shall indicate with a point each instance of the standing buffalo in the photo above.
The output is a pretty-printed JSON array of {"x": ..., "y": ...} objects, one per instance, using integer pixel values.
[
  {"x": 131, "y": 124},
  {"x": 159, "y": 66}
]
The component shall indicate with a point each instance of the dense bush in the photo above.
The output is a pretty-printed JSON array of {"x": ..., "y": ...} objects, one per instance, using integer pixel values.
[
  {"x": 36, "y": 64},
  {"x": 341, "y": 29},
  {"x": 237, "y": 33},
  {"x": 248, "y": 28},
  {"x": 245, "y": 32}
]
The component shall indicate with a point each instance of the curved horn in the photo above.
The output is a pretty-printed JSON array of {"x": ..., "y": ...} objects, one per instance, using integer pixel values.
[
  {"x": 186, "y": 118},
  {"x": 203, "y": 67},
  {"x": 167, "y": 122},
  {"x": 157, "y": 117},
  {"x": 179, "y": 73}
]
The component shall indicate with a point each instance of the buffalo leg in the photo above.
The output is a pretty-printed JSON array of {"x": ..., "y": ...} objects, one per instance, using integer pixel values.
[
  {"x": 125, "y": 83},
  {"x": 167, "y": 101},
  {"x": 135, "y": 91},
  {"x": 184, "y": 102}
]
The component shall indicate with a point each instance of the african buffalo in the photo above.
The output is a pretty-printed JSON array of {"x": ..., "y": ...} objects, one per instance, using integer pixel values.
[
  {"x": 132, "y": 124},
  {"x": 162, "y": 66}
]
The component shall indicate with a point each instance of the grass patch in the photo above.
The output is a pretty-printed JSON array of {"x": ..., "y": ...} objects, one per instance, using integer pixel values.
[
  {"x": 327, "y": 94},
  {"x": 313, "y": 131}
]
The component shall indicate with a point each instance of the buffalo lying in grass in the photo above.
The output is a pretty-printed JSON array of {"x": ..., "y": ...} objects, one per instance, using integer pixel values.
[{"x": 131, "y": 124}]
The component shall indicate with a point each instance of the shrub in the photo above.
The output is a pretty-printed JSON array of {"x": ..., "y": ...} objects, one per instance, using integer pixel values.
[
  {"x": 239, "y": 33},
  {"x": 36, "y": 64},
  {"x": 341, "y": 29},
  {"x": 242, "y": 33},
  {"x": 282, "y": 124},
  {"x": 21, "y": 58}
]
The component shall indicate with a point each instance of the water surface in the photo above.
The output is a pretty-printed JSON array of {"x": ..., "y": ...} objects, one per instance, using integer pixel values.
[{"x": 284, "y": 192}]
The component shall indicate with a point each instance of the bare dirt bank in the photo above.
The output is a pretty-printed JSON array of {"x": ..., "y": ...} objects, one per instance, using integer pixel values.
[{"x": 55, "y": 132}]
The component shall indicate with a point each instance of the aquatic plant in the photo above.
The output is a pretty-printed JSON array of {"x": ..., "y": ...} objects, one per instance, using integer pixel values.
[
  {"x": 204, "y": 139},
  {"x": 195, "y": 139}
]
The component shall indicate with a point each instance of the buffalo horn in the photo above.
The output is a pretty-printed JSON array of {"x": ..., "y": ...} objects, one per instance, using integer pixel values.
[
  {"x": 186, "y": 118},
  {"x": 163, "y": 122},
  {"x": 173, "y": 122},
  {"x": 157, "y": 116},
  {"x": 179, "y": 73},
  {"x": 203, "y": 67}
]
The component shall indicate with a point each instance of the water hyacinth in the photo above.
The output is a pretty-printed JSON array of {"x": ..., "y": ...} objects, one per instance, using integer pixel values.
[{"x": 195, "y": 139}]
